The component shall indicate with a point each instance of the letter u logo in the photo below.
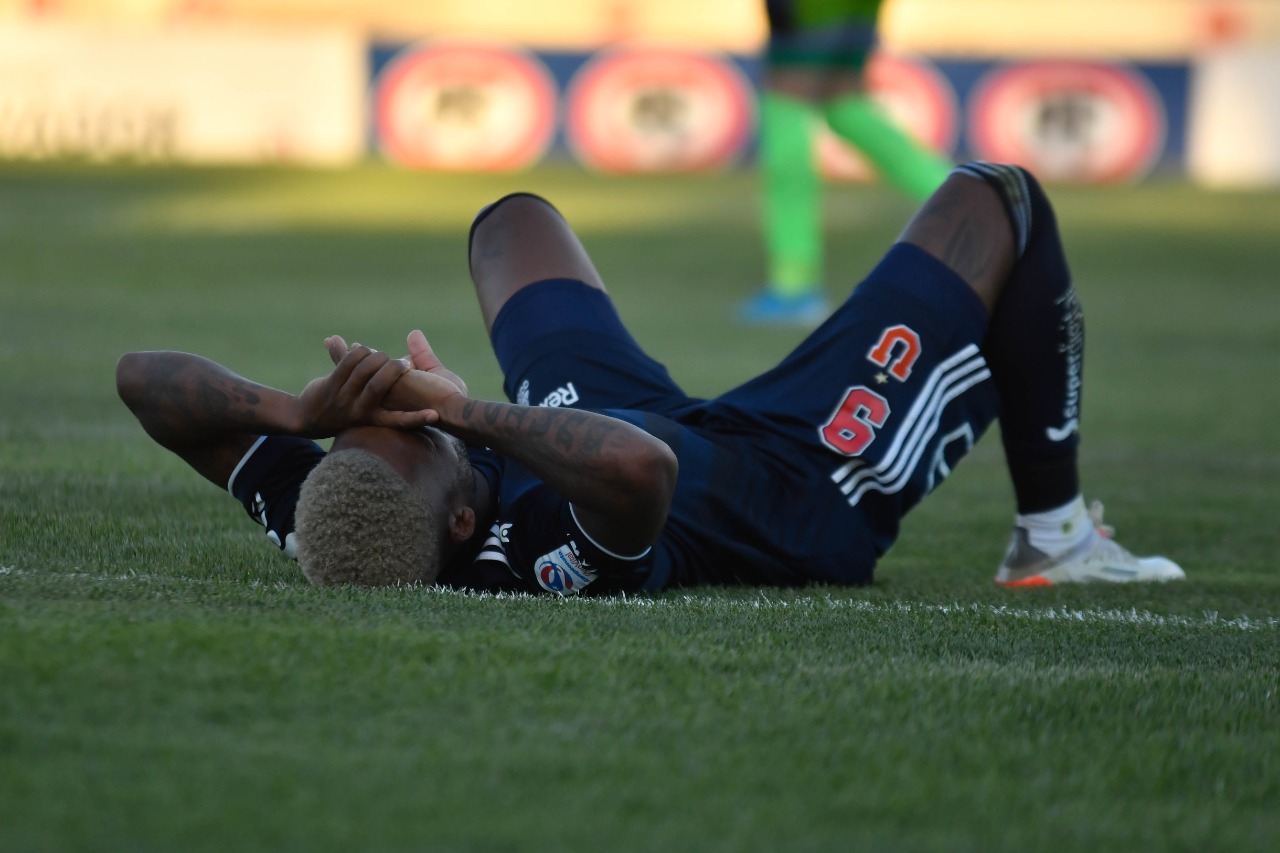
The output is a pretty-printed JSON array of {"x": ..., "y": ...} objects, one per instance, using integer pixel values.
[{"x": 897, "y": 349}]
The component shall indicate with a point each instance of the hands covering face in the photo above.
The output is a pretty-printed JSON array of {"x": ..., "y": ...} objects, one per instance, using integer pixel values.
[{"x": 364, "y": 389}]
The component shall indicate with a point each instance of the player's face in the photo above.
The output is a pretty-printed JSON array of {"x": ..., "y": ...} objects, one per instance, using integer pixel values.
[{"x": 428, "y": 459}]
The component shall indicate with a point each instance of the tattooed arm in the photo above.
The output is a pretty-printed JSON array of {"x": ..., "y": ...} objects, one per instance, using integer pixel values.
[
  {"x": 209, "y": 416},
  {"x": 618, "y": 477}
]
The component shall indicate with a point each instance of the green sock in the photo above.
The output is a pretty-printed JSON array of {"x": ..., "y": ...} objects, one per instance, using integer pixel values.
[
  {"x": 792, "y": 193},
  {"x": 906, "y": 164}
]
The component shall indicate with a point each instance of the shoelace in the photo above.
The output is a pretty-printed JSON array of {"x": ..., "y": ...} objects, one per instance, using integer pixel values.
[
  {"x": 1095, "y": 515},
  {"x": 1108, "y": 548}
]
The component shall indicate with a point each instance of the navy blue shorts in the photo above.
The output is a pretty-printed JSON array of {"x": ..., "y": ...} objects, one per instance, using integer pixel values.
[
  {"x": 561, "y": 342},
  {"x": 903, "y": 350}
]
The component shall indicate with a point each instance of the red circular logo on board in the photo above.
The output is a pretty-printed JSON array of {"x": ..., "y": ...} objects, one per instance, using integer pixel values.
[
  {"x": 658, "y": 110},
  {"x": 462, "y": 107},
  {"x": 916, "y": 95},
  {"x": 1069, "y": 121}
]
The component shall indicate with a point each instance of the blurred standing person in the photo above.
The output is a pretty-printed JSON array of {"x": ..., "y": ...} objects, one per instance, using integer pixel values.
[{"x": 814, "y": 72}]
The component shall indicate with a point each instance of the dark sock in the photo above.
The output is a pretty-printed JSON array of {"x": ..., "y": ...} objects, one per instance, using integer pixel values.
[{"x": 1035, "y": 346}]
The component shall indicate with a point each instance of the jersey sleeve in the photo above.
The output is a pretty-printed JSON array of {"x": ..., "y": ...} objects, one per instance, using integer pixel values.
[{"x": 267, "y": 482}]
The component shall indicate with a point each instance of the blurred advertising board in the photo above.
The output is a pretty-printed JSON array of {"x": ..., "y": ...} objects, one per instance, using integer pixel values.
[
  {"x": 662, "y": 108},
  {"x": 206, "y": 95},
  {"x": 1089, "y": 121},
  {"x": 478, "y": 105},
  {"x": 463, "y": 107},
  {"x": 1080, "y": 90}
]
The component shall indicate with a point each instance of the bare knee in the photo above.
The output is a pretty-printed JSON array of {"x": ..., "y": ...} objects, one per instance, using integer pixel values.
[
  {"x": 503, "y": 216},
  {"x": 517, "y": 241},
  {"x": 131, "y": 382},
  {"x": 964, "y": 224}
]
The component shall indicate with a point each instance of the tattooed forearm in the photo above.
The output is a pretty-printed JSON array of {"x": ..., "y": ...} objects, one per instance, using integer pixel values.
[
  {"x": 589, "y": 458},
  {"x": 575, "y": 433},
  {"x": 194, "y": 393},
  {"x": 185, "y": 400},
  {"x": 596, "y": 436},
  {"x": 198, "y": 409}
]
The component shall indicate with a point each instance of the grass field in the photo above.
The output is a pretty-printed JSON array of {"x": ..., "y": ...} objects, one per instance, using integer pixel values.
[{"x": 169, "y": 682}]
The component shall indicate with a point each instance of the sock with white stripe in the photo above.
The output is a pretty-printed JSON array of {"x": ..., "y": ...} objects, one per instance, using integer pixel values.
[
  {"x": 1058, "y": 530},
  {"x": 1035, "y": 346}
]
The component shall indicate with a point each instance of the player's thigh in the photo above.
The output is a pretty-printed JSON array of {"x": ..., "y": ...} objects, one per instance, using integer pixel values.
[{"x": 561, "y": 342}]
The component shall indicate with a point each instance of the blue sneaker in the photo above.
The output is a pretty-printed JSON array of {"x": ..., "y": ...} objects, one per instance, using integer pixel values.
[{"x": 767, "y": 308}]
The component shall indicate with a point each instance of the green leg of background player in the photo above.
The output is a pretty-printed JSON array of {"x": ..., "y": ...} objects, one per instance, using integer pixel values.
[
  {"x": 792, "y": 194},
  {"x": 905, "y": 164},
  {"x": 792, "y": 197},
  {"x": 791, "y": 209},
  {"x": 814, "y": 72}
]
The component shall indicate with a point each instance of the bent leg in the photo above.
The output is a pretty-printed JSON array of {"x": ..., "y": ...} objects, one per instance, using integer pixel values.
[
  {"x": 518, "y": 240},
  {"x": 995, "y": 227},
  {"x": 554, "y": 329},
  {"x": 1035, "y": 346}
]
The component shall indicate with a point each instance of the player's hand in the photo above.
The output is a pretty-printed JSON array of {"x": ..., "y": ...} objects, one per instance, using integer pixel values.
[
  {"x": 423, "y": 357},
  {"x": 337, "y": 348},
  {"x": 353, "y": 394},
  {"x": 420, "y": 391}
]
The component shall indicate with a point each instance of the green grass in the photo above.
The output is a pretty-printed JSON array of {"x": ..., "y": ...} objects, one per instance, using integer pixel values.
[{"x": 168, "y": 681}]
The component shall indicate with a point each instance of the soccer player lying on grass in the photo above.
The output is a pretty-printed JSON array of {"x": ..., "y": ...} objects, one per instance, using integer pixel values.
[{"x": 614, "y": 479}]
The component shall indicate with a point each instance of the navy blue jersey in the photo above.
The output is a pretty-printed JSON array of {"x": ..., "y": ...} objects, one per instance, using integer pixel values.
[
  {"x": 267, "y": 482},
  {"x": 800, "y": 475},
  {"x": 534, "y": 545}
]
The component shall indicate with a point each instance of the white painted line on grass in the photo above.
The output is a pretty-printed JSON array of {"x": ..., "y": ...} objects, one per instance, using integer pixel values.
[
  {"x": 1132, "y": 616},
  {"x": 819, "y": 602}
]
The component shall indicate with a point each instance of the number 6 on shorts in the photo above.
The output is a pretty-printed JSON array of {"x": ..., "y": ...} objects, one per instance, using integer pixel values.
[{"x": 853, "y": 424}]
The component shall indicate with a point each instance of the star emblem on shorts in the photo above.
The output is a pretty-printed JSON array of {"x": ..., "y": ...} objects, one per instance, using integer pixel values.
[{"x": 882, "y": 378}]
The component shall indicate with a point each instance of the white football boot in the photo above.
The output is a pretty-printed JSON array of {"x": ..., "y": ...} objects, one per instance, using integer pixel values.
[{"x": 1099, "y": 559}]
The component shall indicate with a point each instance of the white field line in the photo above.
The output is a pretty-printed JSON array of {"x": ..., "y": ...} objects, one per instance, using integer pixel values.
[
  {"x": 763, "y": 601},
  {"x": 825, "y": 603}
]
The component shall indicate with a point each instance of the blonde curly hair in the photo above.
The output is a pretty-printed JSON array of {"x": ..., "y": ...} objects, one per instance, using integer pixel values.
[{"x": 358, "y": 522}]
